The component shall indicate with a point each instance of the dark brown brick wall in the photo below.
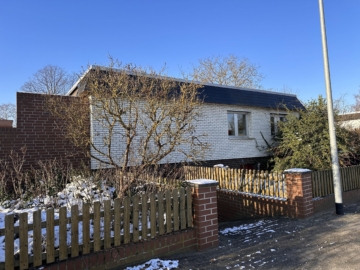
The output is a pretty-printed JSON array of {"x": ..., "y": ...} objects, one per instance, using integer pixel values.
[
  {"x": 236, "y": 206},
  {"x": 206, "y": 216},
  {"x": 36, "y": 129},
  {"x": 326, "y": 203},
  {"x": 132, "y": 253}
]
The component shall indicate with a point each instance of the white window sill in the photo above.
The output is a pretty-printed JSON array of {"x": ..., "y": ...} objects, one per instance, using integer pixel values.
[{"x": 240, "y": 138}]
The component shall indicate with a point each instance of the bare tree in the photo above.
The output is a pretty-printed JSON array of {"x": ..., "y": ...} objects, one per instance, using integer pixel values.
[
  {"x": 139, "y": 119},
  {"x": 227, "y": 70},
  {"x": 356, "y": 106},
  {"x": 341, "y": 105},
  {"x": 8, "y": 112},
  {"x": 51, "y": 80}
]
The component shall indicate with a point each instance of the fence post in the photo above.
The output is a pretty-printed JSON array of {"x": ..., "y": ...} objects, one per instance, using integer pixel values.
[
  {"x": 205, "y": 213},
  {"x": 299, "y": 192}
]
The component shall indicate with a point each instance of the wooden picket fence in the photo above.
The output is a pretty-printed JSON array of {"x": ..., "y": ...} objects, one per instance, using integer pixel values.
[
  {"x": 322, "y": 181},
  {"x": 251, "y": 181},
  {"x": 161, "y": 181},
  {"x": 176, "y": 205}
]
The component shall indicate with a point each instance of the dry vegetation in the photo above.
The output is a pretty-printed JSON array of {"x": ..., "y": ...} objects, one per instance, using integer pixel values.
[
  {"x": 152, "y": 117},
  {"x": 43, "y": 185}
]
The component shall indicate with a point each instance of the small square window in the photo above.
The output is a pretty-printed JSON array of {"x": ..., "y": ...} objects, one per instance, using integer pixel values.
[{"x": 237, "y": 124}]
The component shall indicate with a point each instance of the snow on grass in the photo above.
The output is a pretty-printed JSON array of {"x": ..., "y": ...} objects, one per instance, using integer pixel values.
[
  {"x": 155, "y": 264},
  {"x": 75, "y": 193}
]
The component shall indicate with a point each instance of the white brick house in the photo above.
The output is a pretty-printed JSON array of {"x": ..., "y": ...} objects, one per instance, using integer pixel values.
[
  {"x": 350, "y": 120},
  {"x": 232, "y": 118},
  {"x": 227, "y": 145}
]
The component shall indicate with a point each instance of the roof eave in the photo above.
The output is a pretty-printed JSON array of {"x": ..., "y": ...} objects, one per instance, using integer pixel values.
[{"x": 75, "y": 86}]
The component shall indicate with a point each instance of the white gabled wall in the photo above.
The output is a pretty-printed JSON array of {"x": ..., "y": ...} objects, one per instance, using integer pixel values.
[{"x": 213, "y": 123}]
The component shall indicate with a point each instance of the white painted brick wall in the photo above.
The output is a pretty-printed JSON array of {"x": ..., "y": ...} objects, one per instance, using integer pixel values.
[
  {"x": 214, "y": 124},
  {"x": 227, "y": 147},
  {"x": 350, "y": 124}
]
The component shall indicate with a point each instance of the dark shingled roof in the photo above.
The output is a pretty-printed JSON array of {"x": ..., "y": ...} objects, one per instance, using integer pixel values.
[
  {"x": 248, "y": 97},
  {"x": 231, "y": 95},
  {"x": 349, "y": 116}
]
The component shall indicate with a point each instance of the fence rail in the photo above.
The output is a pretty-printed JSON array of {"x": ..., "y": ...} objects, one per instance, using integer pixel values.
[
  {"x": 322, "y": 181},
  {"x": 251, "y": 181},
  {"x": 129, "y": 220}
]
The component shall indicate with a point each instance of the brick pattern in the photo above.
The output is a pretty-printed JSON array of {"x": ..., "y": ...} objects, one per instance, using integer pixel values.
[
  {"x": 213, "y": 123},
  {"x": 299, "y": 190},
  {"x": 205, "y": 216},
  {"x": 234, "y": 206},
  {"x": 130, "y": 254},
  {"x": 326, "y": 203},
  {"x": 299, "y": 204},
  {"x": 36, "y": 129},
  {"x": 204, "y": 235}
]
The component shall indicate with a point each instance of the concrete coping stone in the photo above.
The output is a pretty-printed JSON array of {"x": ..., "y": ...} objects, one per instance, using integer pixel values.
[
  {"x": 203, "y": 183},
  {"x": 297, "y": 170}
]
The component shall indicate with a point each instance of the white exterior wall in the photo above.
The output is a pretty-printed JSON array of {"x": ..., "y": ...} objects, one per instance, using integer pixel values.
[
  {"x": 213, "y": 123},
  {"x": 351, "y": 124}
]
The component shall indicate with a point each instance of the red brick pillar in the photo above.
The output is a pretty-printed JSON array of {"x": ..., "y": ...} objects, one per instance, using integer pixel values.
[
  {"x": 299, "y": 192},
  {"x": 205, "y": 213}
]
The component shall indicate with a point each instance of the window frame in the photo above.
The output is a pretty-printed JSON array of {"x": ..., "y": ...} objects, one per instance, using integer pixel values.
[
  {"x": 275, "y": 118},
  {"x": 236, "y": 127}
]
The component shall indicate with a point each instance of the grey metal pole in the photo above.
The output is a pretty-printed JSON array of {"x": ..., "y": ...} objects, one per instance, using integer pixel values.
[{"x": 333, "y": 146}]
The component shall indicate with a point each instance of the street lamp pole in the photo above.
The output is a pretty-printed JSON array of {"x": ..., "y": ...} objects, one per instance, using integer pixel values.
[{"x": 333, "y": 146}]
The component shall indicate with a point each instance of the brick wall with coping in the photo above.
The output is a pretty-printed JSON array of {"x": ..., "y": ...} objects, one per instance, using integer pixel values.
[
  {"x": 202, "y": 236},
  {"x": 36, "y": 129},
  {"x": 131, "y": 253},
  {"x": 235, "y": 206},
  {"x": 299, "y": 192},
  {"x": 205, "y": 213},
  {"x": 328, "y": 202}
]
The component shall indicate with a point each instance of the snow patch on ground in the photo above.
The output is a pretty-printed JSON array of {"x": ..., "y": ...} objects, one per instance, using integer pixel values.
[
  {"x": 242, "y": 228},
  {"x": 155, "y": 264}
]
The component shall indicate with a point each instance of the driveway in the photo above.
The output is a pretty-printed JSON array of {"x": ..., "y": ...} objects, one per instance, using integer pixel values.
[{"x": 323, "y": 241}]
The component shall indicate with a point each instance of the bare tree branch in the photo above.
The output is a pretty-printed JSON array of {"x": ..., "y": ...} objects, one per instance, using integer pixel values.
[
  {"x": 51, "y": 80},
  {"x": 228, "y": 70},
  {"x": 8, "y": 112},
  {"x": 356, "y": 106},
  {"x": 139, "y": 119}
]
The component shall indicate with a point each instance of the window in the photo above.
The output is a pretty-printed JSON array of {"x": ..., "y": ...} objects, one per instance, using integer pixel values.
[
  {"x": 237, "y": 124},
  {"x": 274, "y": 119}
]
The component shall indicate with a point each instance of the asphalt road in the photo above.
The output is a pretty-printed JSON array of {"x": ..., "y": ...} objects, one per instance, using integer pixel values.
[{"x": 323, "y": 241}]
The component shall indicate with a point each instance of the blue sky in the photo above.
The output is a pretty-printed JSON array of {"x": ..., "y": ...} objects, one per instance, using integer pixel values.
[{"x": 281, "y": 36}]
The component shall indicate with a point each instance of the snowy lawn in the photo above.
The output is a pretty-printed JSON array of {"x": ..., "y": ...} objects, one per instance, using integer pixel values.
[{"x": 76, "y": 192}]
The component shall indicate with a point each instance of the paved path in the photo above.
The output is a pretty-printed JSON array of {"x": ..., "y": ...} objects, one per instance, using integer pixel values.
[{"x": 324, "y": 241}]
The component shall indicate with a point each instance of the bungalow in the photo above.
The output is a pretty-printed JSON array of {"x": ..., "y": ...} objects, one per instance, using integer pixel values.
[
  {"x": 350, "y": 120},
  {"x": 236, "y": 120}
]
